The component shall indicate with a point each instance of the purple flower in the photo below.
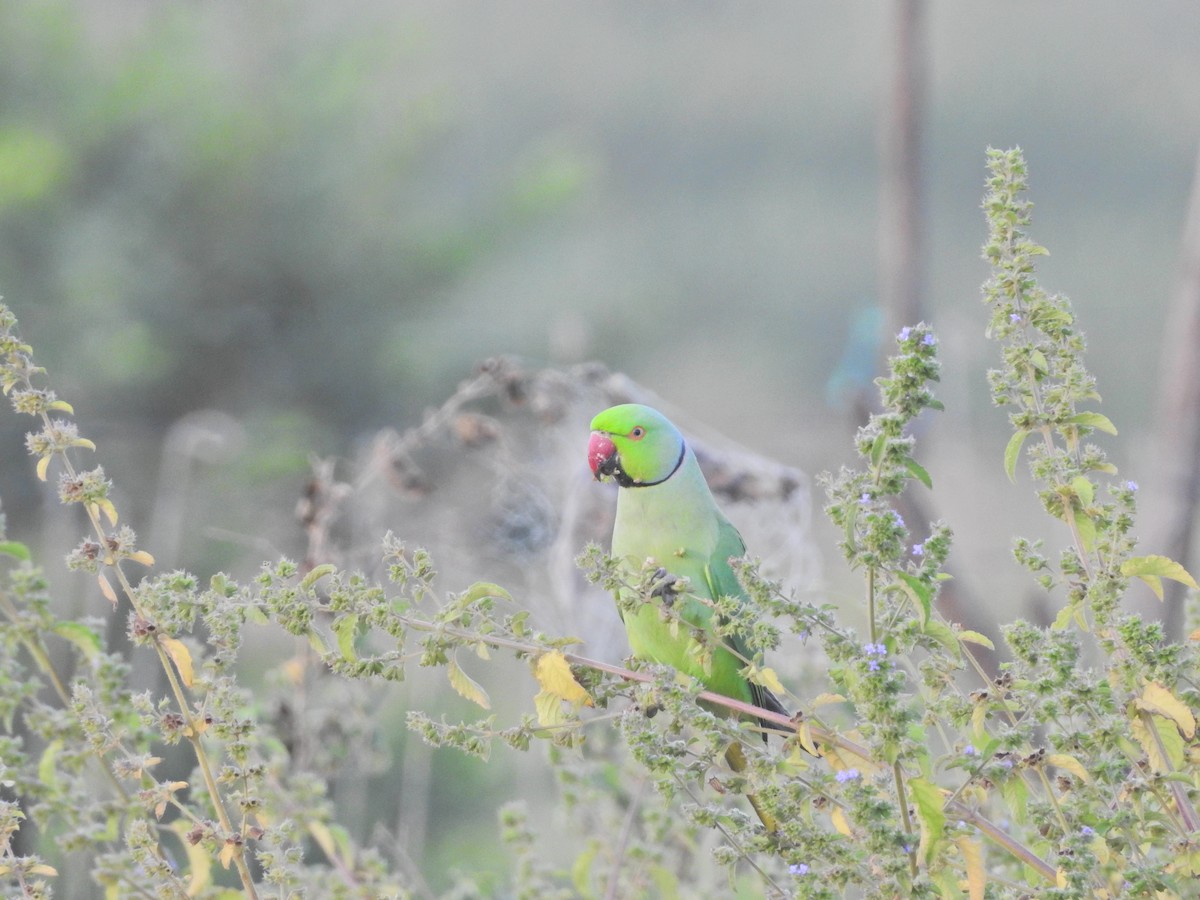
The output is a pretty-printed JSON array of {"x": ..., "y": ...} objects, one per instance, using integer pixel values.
[
  {"x": 865, "y": 498},
  {"x": 896, "y": 517},
  {"x": 1087, "y": 831},
  {"x": 874, "y": 650},
  {"x": 1014, "y": 317},
  {"x": 798, "y": 868},
  {"x": 1131, "y": 485},
  {"x": 904, "y": 334},
  {"x": 929, "y": 340},
  {"x": 918, "y": 550},
  {"x": 969, "y": 750},
  {"x": 847, "y": 775}
]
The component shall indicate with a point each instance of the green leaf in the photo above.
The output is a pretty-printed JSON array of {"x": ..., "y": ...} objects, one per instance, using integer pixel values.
[
  {"x": 317, "y": 642},
  {"x": 974, "y": 637},
  {"x": 481, "y": 589},
  {"x": 920, "y": 593},
  {"x": 1084, "y": 490},
  {"x": 83, "y": 637},
  {"x": 316, "y": 574},
  {"x": 1092, "y": 420},
  {"x": 943, "y": 634},
  {"x": 47, "y": 772},
  {"x": 466, "y": 686},
  {"x": 1086, "y": 526},
  {"x": 1066, "y": 614},
  {"x": 15, "y": 549},
  {"x": 1152, "y": 569},
  {"x": 666, "y": 883},
  {"x": 918, "y": 472},
  {"x": 1013, "y": 452},
  {"x": 345, "y": 629},
  {"x": 1015, "y": 792},
  {"x": 877, "y": 449},
  {"x": 581, "y": 871},
  {"x": 928, "y": 799}
]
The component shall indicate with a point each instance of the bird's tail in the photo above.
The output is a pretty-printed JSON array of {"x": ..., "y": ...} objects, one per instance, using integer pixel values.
[{"x": 737, "y": 761}]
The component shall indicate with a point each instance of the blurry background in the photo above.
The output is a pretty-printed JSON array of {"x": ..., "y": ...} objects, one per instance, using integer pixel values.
[{"x": 241, "y": 234}]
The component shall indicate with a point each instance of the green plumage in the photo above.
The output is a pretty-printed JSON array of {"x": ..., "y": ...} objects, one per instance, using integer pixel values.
[{"x": 666, "y": 513}]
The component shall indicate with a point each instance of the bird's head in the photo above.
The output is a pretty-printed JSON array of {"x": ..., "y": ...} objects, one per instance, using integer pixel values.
[{"x": 634, "y": 445}]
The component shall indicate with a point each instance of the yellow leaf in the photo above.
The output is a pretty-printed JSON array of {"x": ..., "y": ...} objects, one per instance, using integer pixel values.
[
  {"x": 1159, "y": 739},
  {"x": 555, "y": 676},
  {"x": 324, "y": 838},
  {"x": 840, "y": 757},
  {"x": 1152, "y": 569},
  {"x": 1157, "y": 699},
  {"x": 107, "y": 590},
  {"x": 825, "y": 699},
  {"x": 181, "y": 656},
  {"x": 1070, "y": 763},
  {"x": 1100, "y": 850},
  {"x": 84, "y": 443},
  {"x": 199, "y": 863},
  {"x": 43, "y": 464},
  {"x": 978, "y": 718},
  {"x": 839, "y": 822},
  {"x": 110, "y": 511},
  {"x": 61, "y": 406},
  {"x": 804, "y": 733},
  {"x": 1195, "y": 635},
  {"x": 43, "y": 869},
  {"x": 226, "y": 855},
  {"x": 768, "y": 679},
  {"x": 1154, "y": 583},
  {"x": 466, "y": 686},
  {"x": 976, "y": 872},
  {"x": 142, "y": 557}
]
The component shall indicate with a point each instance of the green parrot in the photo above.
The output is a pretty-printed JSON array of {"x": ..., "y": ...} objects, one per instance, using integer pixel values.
[{"x": 666, "y": 513}]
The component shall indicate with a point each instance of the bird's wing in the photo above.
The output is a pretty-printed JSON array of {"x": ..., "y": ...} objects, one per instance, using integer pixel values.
[{"x": 722, "y": 582}]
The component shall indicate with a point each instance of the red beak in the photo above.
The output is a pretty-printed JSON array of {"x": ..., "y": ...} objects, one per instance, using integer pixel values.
[{"x": 600, "y": 450}]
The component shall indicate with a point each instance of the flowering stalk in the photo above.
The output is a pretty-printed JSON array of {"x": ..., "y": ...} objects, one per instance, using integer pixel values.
[{"x": 90, "y": 489}]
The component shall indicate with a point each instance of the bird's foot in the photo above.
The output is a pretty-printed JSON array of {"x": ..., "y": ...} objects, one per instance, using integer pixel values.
[{"x": 666, "y": 586}]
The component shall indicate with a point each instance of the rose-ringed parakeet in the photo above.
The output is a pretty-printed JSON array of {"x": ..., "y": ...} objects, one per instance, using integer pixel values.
[{"x": 666, "y": 513}]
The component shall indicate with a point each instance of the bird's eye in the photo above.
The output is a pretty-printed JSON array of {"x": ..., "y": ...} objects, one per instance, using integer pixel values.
[{"x": 638, "y": 433}]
